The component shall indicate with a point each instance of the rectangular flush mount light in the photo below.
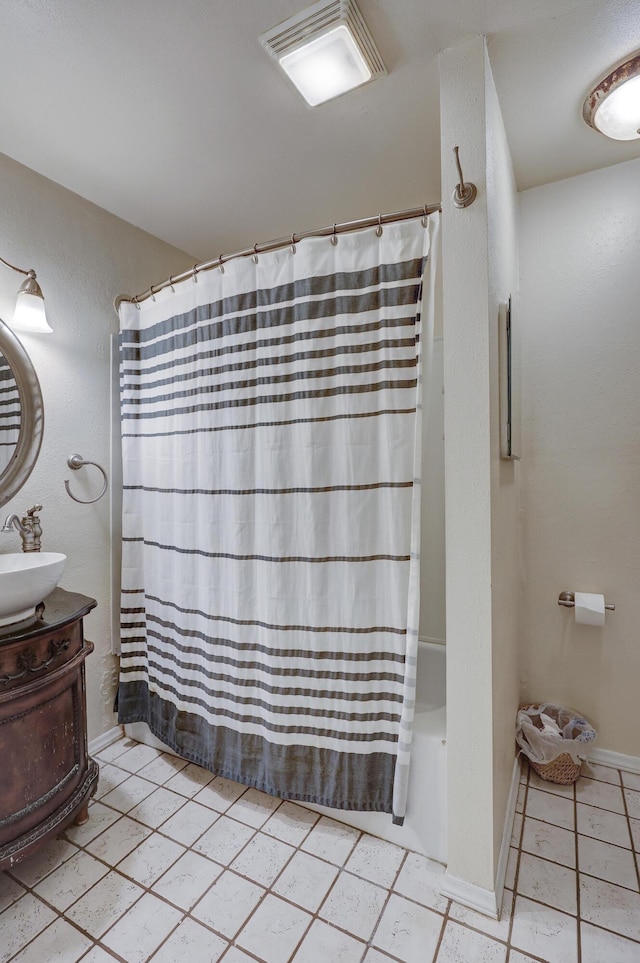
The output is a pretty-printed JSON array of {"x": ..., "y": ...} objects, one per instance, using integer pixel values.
[{"x": 325, "y": 50}]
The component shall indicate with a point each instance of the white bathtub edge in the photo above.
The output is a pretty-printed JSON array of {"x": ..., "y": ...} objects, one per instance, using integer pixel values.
[
  {"x": 488, "y": 901},
  {"x": 425, "y": 826}
]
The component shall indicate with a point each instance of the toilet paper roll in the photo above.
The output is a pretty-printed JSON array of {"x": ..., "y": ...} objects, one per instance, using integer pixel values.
[{"x": 589, "y": 609}]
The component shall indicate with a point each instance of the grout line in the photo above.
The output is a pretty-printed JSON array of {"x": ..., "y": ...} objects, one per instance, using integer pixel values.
[
  {"x": 529, "y": 954},
  {"x": 516, "y": 877},
  {"x": 610, "y": 882},
  {"x": 577, "y": 878},
  {"x": 391, "y": 891},
  {"x": 622, "y": 936},
  {"x": 340, "y": 867},
  {"x": 556, "y": 909},
  {"x": 440, "y": 937},
  {"x": 228, "y": 868},
  {"x": 369, "y": 942},
  {"x": 518, "y": 848},
  {"x": 629, "y": 830},
  {"x": 606, "y": 842},
  {"x": 342, "y": 870},
  {"x": 573, "y": 869}
]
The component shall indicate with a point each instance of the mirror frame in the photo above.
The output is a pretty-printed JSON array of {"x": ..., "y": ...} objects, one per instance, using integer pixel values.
[{"x": 31, "y": 415}]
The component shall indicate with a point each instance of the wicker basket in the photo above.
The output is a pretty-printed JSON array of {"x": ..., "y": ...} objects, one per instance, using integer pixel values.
[{"x": 562, "y": 770}]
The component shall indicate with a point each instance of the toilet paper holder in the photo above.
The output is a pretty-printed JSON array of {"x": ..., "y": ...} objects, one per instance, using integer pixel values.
[{"x": 568, "y": 599}]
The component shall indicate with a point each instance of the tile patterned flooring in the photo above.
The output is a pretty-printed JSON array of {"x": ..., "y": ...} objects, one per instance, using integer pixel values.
[{"x": 176, "y": 865}]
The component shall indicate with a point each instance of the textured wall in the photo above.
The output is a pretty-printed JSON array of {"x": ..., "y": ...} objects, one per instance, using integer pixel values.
[
  {"x": 479, "y": 270},
  {"x": 506, "y": 582},
  {"x": 580, "y": 289},
  {"x": 467, "y": 472},
  {"x": 83, "y": 257}
]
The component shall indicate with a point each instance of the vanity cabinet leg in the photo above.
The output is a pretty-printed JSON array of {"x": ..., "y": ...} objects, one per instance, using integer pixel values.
[{"x": 82, "y": 815}]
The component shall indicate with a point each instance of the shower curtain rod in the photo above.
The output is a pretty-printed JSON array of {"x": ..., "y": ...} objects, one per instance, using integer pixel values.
[{"x": 278, "y": 243}]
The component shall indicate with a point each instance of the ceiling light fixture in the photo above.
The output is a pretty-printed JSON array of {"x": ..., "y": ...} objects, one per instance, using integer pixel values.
[
  {"x": 325, "y": 50},
  {"x": 29, "y": 314},
  {"x": 613, "y": 106}
]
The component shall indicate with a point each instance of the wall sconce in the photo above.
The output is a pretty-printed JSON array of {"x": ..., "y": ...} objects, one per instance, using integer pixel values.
[
  {"x": 29, "y": 314},
  {"x": 613, "y": 106},
  {"x": 325, "y": 50}
]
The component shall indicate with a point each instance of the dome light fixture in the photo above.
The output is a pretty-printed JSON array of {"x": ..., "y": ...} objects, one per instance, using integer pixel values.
[
  {"x": 613, "y": 106},
  {"x": 325, "y": 50}
]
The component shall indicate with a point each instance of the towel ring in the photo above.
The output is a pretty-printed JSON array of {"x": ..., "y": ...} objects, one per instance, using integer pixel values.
[{"x": 75, "y": 462}]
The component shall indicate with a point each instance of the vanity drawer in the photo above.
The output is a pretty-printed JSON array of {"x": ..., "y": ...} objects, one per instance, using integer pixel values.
[{"x": 26, "y": 662}]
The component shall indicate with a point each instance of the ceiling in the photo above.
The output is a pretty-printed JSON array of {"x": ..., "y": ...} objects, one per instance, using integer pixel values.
[{"x": 171, "y": 116}]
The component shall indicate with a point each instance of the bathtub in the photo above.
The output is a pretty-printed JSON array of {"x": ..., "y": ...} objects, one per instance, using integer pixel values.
[{"x": 425, "y": 825}]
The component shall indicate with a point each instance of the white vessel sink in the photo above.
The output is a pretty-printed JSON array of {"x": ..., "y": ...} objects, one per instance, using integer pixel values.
[{"x": 26, "y": 578}]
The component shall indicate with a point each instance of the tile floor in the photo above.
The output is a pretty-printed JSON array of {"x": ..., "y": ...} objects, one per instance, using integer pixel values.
[{"x": 176, "y": 865}]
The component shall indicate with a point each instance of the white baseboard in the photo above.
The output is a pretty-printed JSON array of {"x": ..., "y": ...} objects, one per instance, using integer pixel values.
[
  {"x": 507, "y": 832},
  {"x": 605, "y": 757},
  {"x": 487, "y": 901},
  {"x": 101, "y": 742},
  {"x": 475, "y": 897}
]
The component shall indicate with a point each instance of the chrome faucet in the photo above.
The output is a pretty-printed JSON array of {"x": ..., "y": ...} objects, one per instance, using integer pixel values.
[{"x": 28, "y": 526}]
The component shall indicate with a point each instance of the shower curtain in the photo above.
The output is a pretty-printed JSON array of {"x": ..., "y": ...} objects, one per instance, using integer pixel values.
[{"x": 271, "y": 426}]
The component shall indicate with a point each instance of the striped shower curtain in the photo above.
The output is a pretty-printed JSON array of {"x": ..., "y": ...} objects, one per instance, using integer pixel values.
[{"x": 271, "y": 425}]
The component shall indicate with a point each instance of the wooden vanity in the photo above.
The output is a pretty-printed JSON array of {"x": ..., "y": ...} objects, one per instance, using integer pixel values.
[{"x": 46, "y": 774}]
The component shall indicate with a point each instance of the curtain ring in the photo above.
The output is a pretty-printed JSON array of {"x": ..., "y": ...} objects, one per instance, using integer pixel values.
[
  {"x": 153, "y": 297},
  {"x": 195, "y": 273},
  {"x": 171, "y": 283},
  {"x": 425, "y": 218},
  {"x": 379, "y": 227},
  {"x": 254, "y": 256},
  {"x": 334, "y": 236},
  {"x": 221, "y": 264},
  {"x": 136, "y": 302},
  {"x": 293, "y": 244}
]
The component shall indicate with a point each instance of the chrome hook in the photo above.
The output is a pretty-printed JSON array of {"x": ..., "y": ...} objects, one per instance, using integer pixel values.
[
  {"x": 75, "y": 462},
  {"x": 171, "y": 283},
  {"x": 221, "y": 264},
  {"x": 153, "y": 295},
  {"x": 425, "y": 219},
  {"x": 465, "y": 192},
  {"x": 293, "y": 244},
  {"x": 254, "y": 256},
  {"x": 379, "y": 227},
  {"x": 195, "y": 273},
  {"x": 334, "y": 236}
]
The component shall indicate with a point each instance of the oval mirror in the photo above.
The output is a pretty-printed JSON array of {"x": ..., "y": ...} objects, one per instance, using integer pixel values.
[{"x": 21, "y": 415}]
